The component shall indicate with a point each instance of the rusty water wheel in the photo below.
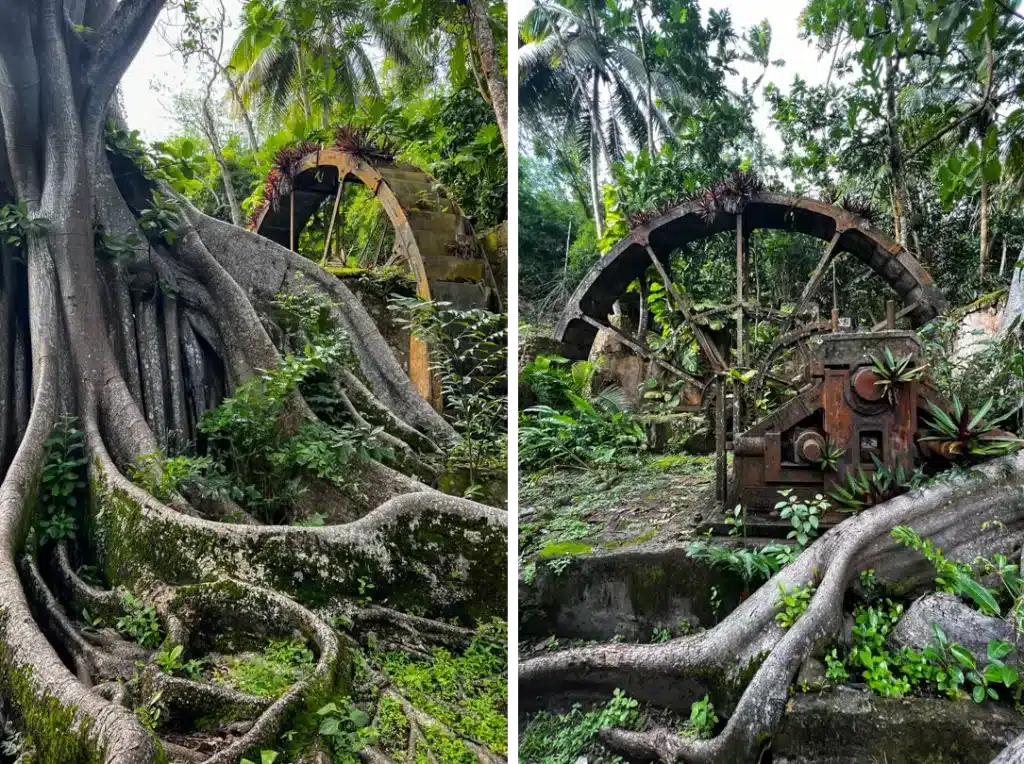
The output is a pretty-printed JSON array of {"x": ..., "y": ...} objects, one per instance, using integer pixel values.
[
  {"x": 652, "y": 244},
  {"x": 434, "y": 241}
]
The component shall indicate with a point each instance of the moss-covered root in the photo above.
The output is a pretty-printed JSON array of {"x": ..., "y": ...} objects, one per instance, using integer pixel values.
[
  {"x": 79, "y": 595},
  {"x": 228, "y": 614},
  {"x": 89, "y": 660},
  {"x": 425, "y": 552}
]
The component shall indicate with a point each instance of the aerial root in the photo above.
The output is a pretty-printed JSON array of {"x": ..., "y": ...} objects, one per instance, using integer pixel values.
[
  {"x": 1012, "y": 754},
  {"x": 188, "y": 699},
  {"x": 407, "y": 456},
  {"x": 391, "y": 423},
  {"x": 90, "y": 661},
  {"x": 81, "y": 595}
]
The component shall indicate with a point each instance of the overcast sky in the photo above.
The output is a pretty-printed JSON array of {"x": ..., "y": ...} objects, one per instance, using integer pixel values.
[{"x": 147, "y": 109}]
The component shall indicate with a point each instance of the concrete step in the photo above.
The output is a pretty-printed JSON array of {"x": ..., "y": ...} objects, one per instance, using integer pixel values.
[{"x": 448, "y": 268}]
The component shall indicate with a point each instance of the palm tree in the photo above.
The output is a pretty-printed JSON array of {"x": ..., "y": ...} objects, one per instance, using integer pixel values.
[
  {"x": 575, "y": 73},
  {"x": 301, "y": 55}
]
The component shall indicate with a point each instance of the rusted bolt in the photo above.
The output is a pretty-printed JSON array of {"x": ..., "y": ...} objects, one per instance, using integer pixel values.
[
  {"x": 809, "y": 446},
  {"x": 864, "y": 385}
]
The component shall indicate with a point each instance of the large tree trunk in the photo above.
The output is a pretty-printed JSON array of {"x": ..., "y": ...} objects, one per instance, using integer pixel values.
[
  {"x": 492, "y": 67},
  {"x": 74, "y": 340},
  {"x": 983, "y": 214}
]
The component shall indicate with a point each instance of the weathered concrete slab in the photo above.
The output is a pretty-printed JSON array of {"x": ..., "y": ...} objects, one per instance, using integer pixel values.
[{"x": 847, "y": 726}]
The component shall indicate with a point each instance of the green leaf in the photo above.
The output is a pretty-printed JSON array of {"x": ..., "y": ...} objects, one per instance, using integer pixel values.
[
  {"x": 963, "y": 656},
  {"x": 978, "y": 693},
  {"x": 982, "y": 597},
  {"x": 992, "y": 170},
  {"x": 998, "y": 649}
]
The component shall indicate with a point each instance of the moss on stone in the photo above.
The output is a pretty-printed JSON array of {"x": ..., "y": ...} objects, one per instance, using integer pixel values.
[
  {"x": 646, "y": 588},
  {"x": 564, "y": 548}
]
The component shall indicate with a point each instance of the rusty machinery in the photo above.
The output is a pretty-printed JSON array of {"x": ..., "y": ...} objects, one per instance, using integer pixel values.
[
  {"x": 839, "y": 404},
  {"x": 835, "y": 398}
]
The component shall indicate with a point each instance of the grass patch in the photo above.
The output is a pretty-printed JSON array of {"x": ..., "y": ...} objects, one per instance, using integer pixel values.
[
  {"x": 468, "y": 692},
  {"x": 270, "y": 673},
  {"x": 563, "y": 738}
]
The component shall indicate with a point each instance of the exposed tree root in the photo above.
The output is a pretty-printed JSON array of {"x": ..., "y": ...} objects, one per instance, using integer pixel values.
[{"x": 748, "y": 661}]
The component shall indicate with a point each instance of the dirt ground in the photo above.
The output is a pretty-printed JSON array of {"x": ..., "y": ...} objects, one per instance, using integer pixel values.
[{"x": 573, "y": 511}]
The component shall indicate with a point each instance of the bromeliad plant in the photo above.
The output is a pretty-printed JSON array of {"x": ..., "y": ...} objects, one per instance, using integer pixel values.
[
  {"x": 969, "y": 434},
  {"x": 865, "y": 489},
  {"x": 893, "y": 372},
  {"x": 830, "y": 456}
]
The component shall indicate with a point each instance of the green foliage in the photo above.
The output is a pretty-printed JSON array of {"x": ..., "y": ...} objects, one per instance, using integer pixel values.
[
  {"x": 660, "y": 635},
  {"x": 266, "y": 757},
  {"x": 993, "y": 370},
  {"x": 865, "y": 489},
  {"x": 793, "y": 603},
  {"x": 251, "y": 457},
  {"x": 563, "y": 738},
  {"x": 456, "y": 140},
  {"x": 893, "y": 372},
  {"x": 835, "y": 671},
  {"x": 469, "y": 355},
  {"x": 170, "y": 662},
  {"x": 955, "y": 577},
  {"x": 17, "y": 225},
  {"x": 152, "y": 712},
  {"x": 62, "y": 482},
  {"x": 968, "y": 434},
  {"x": 160, "y": 221},
  {"x": 139, "y": 622},
  {"x": 737, "y": 521},
  {"x": 751, "y": 565},
  {"x": 574, "y": 424},
  {"x": 467, "y": 692},
  {"x": 803, "y": 515},
  {"x": 113, "y": 247},
  {"x": 830, "y": 456},
  {"x": 268, "y": 674},
  {"x": 347, "y": 730},
  {"x": 164, "y": 476},
  {"x": 702, "y": 719}
]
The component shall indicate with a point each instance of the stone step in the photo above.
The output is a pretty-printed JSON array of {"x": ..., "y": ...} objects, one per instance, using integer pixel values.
[
  {"x": 462, "y": 295},
  {"x": 443, "y": 223},
  {"x": 448, "y": 268}
]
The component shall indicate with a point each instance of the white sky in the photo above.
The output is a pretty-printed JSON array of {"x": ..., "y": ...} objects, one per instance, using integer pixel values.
[
  {"x": 155, "y": 63},
  {"x": 800, "y": 56}
]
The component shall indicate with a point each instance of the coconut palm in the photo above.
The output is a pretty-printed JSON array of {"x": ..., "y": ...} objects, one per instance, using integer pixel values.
[
  {"x": 302, "y": 55},
  {"x": 579, "y": 75}
]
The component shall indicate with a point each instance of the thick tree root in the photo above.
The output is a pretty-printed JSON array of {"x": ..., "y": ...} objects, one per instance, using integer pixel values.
[{"x": 966, "y": 516}]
